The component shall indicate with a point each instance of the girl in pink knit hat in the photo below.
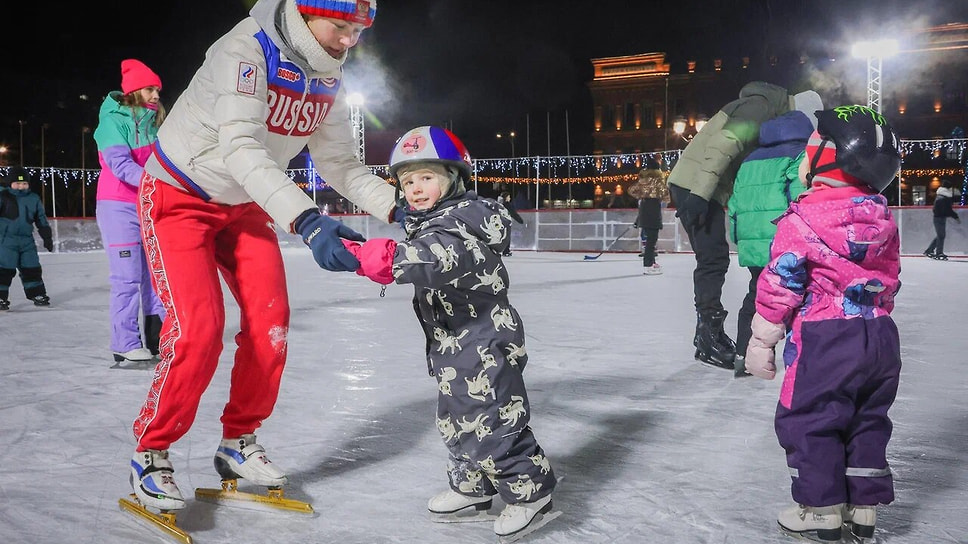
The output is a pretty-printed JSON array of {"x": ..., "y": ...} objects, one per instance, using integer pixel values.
[{"x": 127, "y": 126}]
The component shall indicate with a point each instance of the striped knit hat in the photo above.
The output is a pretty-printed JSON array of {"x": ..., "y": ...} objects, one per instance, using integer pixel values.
[
  {"x": 821, "y": 155},
  {"x": 355, "y": 11}
]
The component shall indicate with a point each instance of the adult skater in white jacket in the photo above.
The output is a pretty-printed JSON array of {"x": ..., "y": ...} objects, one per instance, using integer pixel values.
[{"x": 215, "y": 180}]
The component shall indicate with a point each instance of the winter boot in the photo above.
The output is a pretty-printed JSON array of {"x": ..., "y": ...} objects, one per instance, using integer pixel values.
[
  {"x": 153, "y": 481},
  {"x": 939, "y": 257},
  {"x": 44, "y": 300},
  {"x": 4, "y": 305},
  {"x": 452, "y": 507},
  {"x": 820, "y": 523},
  {"x": 860, "y": 520},
  {"x": 152, "y": 332},
  {"x": 136, "y": 355},
  {"x": 517, "y": 520},
  {"x": 653, "y": 270},
  {"x": 713, "y": 345},
  {"x": 242, "y": 458}
]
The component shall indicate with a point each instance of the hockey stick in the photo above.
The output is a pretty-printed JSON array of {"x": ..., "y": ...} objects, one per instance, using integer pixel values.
[{"x": 609, "y": 246}]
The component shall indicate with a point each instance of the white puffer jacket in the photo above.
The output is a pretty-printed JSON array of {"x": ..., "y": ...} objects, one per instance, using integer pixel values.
[{"x": 218, "y": 133}]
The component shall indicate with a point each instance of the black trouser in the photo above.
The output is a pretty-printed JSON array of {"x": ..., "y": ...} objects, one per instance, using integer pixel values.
[
  {"x": 708, "y": 241},
  {"x": 940, "y": 228},
  {"x": 744, "y": 319},
  {"x": 649, "y": 238}
]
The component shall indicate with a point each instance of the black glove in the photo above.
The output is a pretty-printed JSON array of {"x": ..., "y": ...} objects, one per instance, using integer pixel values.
[
  {"x": 48, "y": 238},
  {"x": 322, "y": 234},
  {"x": 693, "y": 211},
  {"x": 8, "y": 206}
]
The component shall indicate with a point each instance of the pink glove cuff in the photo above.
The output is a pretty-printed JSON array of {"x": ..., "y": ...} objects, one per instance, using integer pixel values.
[
  {"x": 769, "y": 334},
  {"x": 376, "y": 259}
]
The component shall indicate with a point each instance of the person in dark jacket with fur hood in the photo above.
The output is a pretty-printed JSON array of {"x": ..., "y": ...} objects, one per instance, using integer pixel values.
[{"x": 702, "y": 181}]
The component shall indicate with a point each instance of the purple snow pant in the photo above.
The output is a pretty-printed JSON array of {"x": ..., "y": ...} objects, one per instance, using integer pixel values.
[
  {"x": 131, "y": 291},
  {"x": 836, "y": 430}
]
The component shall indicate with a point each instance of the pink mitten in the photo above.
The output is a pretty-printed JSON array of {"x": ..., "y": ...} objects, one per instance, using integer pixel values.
[
  {"x": 760, "y": 354},
  {"x": 376, "y": 259}
]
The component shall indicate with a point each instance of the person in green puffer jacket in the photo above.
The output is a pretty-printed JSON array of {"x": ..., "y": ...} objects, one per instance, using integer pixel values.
[{"x": 766, "y": 183}]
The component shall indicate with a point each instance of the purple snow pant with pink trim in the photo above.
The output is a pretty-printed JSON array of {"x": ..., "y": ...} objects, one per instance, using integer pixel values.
[
  {"x": 131, "y": 290},
  {"x": 836, "y": 430}
]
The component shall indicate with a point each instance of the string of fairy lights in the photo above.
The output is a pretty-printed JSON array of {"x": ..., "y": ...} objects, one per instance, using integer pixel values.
[{"x": 578, "y": 169}]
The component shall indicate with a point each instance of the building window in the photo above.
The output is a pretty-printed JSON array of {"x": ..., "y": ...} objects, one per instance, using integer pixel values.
[{"x": 630, "y": 121}]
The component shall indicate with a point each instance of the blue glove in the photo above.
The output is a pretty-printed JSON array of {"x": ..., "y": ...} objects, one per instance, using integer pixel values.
[
  {"x": 693, "y": 211},
  {"x": 323, "y": 235},
  {"x": 399, "y": 216}
]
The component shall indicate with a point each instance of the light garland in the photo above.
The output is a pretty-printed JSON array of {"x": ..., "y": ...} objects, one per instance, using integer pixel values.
[{"x": 558, "y": 170}]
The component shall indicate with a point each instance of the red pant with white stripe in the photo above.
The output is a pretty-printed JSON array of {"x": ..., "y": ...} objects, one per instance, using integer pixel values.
[{"x": 188, "y": 243}]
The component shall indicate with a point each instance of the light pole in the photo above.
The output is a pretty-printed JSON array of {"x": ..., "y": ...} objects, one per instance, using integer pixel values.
[
  {"x": 875, "y": 52},
  {"x": 84, "y": 131},
  {"x": 22, "y": 123},
  {"x": 511, "y": 136}
]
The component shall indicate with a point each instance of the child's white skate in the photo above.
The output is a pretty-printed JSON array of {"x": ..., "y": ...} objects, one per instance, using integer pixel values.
[
  {"x": 816, "y": 523},
  {"x": 452, "y": 507},
  {"x": 242, "y": 458},
  {"x": 524, "y": 518},
  {"x": 860, "y": 520}
]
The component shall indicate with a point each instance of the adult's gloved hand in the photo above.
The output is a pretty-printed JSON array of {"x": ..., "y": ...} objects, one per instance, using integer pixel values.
[
  {"x": 693, "y": 211},
  {"x": 376, "y": 258},
  {"x": 323, "y": 235},
  {"x": 47, "y": 237}
]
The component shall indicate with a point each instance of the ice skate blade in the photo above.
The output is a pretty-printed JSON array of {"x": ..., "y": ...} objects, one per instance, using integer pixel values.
[
  {"x": 830, "y": 536},
  {"x": 229, "y": 495},
  {"x": 709, "y": 360},
  {"x": 537, "y": 522},
  {"x": 133, "y": 365},
  {"x": 466, "y": 515},
  {"x": 163, "y": 523}
]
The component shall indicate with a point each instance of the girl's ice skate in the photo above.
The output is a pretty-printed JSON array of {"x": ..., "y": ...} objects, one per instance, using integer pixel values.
[
  {"x": 452, "y": 507},
  {"x": 860, "y": 521},
  {"x": 817, "y": 523},
  {"x": 523, "y": 518}
]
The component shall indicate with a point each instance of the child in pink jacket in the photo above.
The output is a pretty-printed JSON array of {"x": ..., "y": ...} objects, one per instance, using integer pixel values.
[{"x": 829, "y": 289}]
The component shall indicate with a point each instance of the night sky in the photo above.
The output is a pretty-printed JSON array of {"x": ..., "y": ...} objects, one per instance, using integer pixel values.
[{"x": 480, "y": 66}]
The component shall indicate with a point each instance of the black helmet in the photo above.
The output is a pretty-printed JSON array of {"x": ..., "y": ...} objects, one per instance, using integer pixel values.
[
  {"x": 15, "y": 174},
  {"x": 867, "y": 146}
]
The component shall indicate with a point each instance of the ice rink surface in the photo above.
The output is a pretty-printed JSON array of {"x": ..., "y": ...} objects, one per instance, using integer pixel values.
[{"x": 651, "y": 445}]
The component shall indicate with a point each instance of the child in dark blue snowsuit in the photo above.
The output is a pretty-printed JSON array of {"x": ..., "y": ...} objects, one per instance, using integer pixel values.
[{"x": 20, "y": 211}]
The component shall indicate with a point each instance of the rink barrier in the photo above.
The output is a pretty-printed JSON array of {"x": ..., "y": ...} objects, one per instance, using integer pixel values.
[{"x": 564, "y": 230}]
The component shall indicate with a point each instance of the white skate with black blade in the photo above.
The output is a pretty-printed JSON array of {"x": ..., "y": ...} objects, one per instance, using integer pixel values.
[
  {"x": 452, "y": 507},
  {"x": 521, "y": 519}
]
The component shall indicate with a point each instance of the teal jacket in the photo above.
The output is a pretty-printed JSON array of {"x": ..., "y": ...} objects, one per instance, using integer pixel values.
[
  {"x": 30, "y": 212},
  {"x": 766, "y": 182}
]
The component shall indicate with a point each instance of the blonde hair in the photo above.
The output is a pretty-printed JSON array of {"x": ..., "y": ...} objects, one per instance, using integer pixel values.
[{"x": 444, "y": 173}]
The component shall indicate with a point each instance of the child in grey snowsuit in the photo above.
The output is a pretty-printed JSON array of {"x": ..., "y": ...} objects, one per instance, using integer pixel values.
[
  {"x": 475, "y": 338},
  {"x": 20, "y": 211}
]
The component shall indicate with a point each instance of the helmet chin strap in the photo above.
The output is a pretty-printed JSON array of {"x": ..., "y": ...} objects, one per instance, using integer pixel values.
[{"x": 814, "y": 169}]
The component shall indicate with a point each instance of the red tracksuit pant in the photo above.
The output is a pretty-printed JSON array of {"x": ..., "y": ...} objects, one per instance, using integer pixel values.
[{"x": 188, "y": 243}]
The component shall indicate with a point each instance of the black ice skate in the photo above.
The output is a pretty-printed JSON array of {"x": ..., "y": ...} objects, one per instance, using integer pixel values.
[{"x": 713, "y": 346}]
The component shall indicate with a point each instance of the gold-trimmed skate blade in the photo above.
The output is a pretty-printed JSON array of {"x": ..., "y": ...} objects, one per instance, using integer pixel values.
[
  {"x": 538, "y": 522},
  {"x": 163, "y": 522},
  {"x": 229, "y": 495}
]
